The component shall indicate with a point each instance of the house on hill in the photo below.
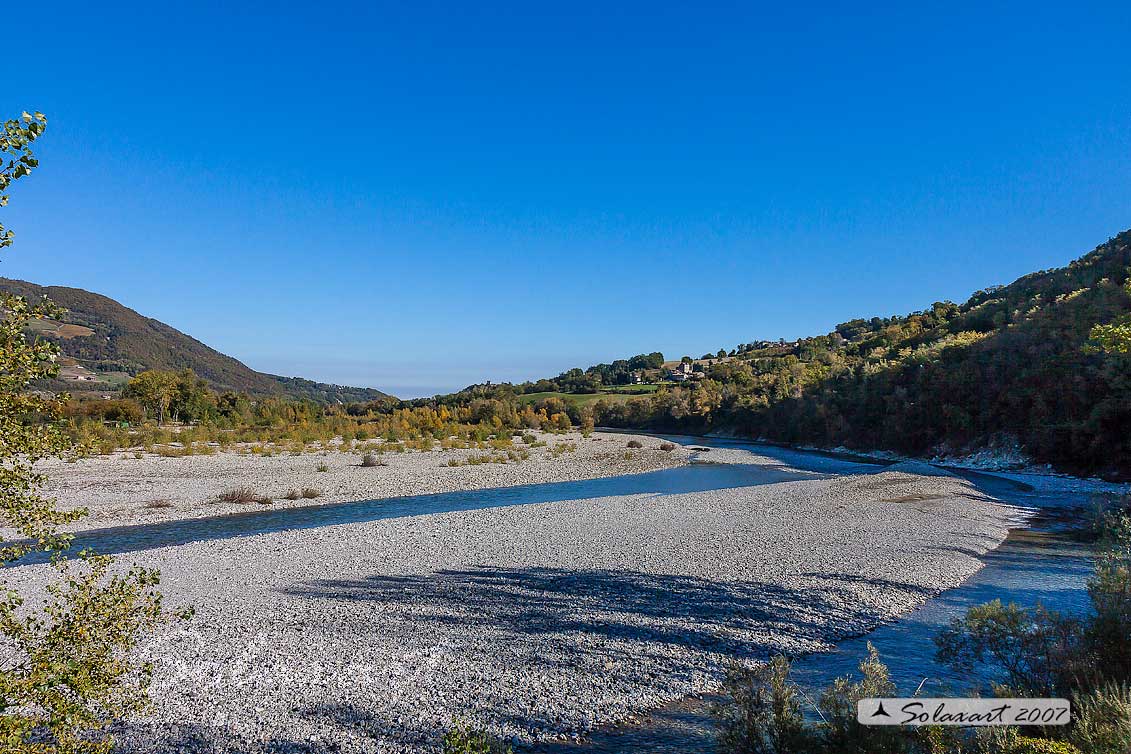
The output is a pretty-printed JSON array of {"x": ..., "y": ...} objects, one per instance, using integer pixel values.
[{"x": 682, "y": 372}]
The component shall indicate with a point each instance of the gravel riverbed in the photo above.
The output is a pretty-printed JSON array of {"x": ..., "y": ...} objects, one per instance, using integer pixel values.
[
  {"x": 535, "y": 621},
  {"x": 120, "y": 489}
]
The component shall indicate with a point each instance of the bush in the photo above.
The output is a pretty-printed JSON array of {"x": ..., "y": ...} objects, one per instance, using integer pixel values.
[
  {"x": 292, "y": 495},
  {"x": 529, "y": 439},
  {"x": 667, "y": 446},
  {"x": 322, "y": 467},
  {"x": 1035, "y": 647},
  {"x": 1106, "y": 636},
  {"x": 371, "y": 459},
  {"x": 838, "y": 709},
  {"x": 762, "y": 714},
  {"x": 241, "y": 495},
  {"x": 562, "y": 447},
  {"x": 635, "y": 444},
  {"x": 1010, "y": 741},
  {"x": 1101, "y": 720},
  {"x": 463, "y": 740},
  {"x": 310, "y": 493},
  {"x": 159, "y": 503}
]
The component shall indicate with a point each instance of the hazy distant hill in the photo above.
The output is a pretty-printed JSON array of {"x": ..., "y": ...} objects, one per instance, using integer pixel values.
[{"x": 104, "y": 343}]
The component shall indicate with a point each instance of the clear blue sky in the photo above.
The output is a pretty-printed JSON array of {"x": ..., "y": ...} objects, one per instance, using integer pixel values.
[{"x": 417, "y": 196}]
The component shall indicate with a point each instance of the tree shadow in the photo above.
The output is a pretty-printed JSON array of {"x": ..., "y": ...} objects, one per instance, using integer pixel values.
[{"x": 633, "y": 606}]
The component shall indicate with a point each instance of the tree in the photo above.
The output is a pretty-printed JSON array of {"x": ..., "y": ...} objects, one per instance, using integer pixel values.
[
  {"x": 1114, "y": 337},
  {"x": 192, "y": 399},
  {"x": 154, "y": 389},
  {"x": 66, "y": 673}
]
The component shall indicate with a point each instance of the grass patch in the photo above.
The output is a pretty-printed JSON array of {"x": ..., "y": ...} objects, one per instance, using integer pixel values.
[
  {"x": 241, "y": 496},
  {"x": 563, "y": 447}
]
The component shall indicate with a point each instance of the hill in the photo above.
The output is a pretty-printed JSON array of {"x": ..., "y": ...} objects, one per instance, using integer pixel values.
[
  {"x": 1009, "y": 368},
  {"x": 104, "y": 343}
]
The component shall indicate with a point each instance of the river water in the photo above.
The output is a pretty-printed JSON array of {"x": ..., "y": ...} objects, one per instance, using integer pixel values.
[
  {"x": 1037, "y": 563},
  {"x": 1041, "y": 562}
]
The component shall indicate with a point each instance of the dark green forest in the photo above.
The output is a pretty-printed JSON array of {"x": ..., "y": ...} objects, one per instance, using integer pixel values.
[{"x": 1013, "y": 364}]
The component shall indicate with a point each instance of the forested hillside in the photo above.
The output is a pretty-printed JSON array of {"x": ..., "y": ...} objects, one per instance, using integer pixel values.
[
  {"x": 1013, "y": 363},
  {"x": 103, "y": 343}
]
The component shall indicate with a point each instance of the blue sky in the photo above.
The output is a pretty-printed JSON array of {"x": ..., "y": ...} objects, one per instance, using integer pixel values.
[{"x": 417, "y": 196}]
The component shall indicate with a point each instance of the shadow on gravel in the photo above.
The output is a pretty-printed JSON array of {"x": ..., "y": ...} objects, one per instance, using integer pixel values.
[
  {"x": 565, "y": 624},
  {"x": 732, "y": 617},
  {"x": 203, "y": 739}
]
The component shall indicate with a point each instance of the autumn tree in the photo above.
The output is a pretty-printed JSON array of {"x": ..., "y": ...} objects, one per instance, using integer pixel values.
[
  {"x": 66, "y": 671},
  {"x": 154, "y": 389},
  {"x": 1114, "y": 337}
]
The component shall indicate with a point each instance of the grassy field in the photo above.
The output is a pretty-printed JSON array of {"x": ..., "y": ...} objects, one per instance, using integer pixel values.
[{"x": 630, "y": 389}]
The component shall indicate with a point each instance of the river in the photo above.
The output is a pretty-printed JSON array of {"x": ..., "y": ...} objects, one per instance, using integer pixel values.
[{"x": 1038, "y": 563}]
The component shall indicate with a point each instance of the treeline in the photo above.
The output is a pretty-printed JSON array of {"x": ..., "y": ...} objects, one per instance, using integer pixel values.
[
  {"x": 1014, "y": 364},
  {"x": 589, "y": 380},
  {"x": 161, "y": 407}
]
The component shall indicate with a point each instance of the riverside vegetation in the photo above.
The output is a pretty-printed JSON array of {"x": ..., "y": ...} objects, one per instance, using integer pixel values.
[{"x": 176, "y": 413}]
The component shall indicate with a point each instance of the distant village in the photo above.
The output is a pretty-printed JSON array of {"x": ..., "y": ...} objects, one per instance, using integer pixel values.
[{"x": 688, "y": 369}]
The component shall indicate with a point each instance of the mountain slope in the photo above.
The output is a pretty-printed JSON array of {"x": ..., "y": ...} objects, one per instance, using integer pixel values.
[
  {"x": 104, "y": 342},
  {"x": 1011, "y": 366}
]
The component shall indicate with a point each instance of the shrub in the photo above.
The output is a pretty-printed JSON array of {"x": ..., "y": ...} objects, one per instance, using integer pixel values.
[
  {"x": 529, "y": 439},
  {"x": 667, "y": 446},
  {"x": 635, "y": 444},
  {"x": 762, "y": 714},
  {"x": 1110, "y": 591},
  {"x": 292, "y": 495},
  {"x": 563, "y": 447},
  {"x": 1101, "y": 720},
  {"x": 159, "y": 503},
  {"x": 838, "y": 708},
  {"x": 322, "y": 467},
  {"x": 1034, "y": 646},
  {"x": 1010, "y": 741},
  {"x": 310, "y": 493},
  {"x": 371, "y": 459},
  {"x": 241, "y": 495},
  {"x": 464, "y": 740}
]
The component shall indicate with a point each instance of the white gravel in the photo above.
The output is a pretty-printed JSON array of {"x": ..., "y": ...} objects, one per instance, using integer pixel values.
[
  {"x": 539, "y": 620},
  {"x": 121, "y": 489}
]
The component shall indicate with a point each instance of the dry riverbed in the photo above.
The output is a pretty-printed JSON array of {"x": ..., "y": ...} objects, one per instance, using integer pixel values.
[{"x": 121, "y": 489}]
